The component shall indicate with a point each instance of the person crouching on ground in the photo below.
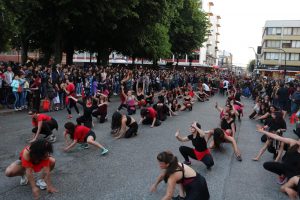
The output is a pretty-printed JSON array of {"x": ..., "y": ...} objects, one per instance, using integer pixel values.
[
  {"x": 43, "y": 124},
  {"x": 200, "y": 152},
  {"x": 34, "y": 158},
  {"x": 192, "y": 185},
  {"x": 81, "y": 134}
]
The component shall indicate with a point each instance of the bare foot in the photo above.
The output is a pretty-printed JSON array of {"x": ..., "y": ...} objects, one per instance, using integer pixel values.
[{"x": 255, "y": 159}]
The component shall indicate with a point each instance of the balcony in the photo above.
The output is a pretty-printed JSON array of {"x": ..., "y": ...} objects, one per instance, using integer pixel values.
[
  {"x": 217, "y": 33},
  {"x": 218, "y": 24},
  {"x": 218, "y": 17},
  {"x": 210, "y": 14},
  {"x": 211, "y": 3}
]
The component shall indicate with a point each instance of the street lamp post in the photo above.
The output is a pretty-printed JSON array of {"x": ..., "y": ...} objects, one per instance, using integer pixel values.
[
  {"x": 256, "y": 59},
  {"x": 284, "y": 73}
]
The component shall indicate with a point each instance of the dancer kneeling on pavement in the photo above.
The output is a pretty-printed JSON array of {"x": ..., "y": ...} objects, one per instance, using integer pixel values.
[
  {"x": 81, "y": 134},
  {"x": 290, "y": 165},
  {"x": 221, "y": 136},
  {"x": 88, "y": 106},
  {"x": 43, "y": 124},
  {"x": 119, "y": 123},
  {"x": 149, "y": 116},
  {"x": 193, "y": 186},
  {"x": 292, "y": 188},
  {"x": 200, "y": 152},
  {"x": 34, "y": 158}
]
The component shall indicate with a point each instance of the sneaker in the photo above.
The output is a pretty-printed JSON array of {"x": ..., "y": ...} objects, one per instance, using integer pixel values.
[
  {"x": 51, "y": 138},
  {"x": 282, "y": 180},
  {"x": 16, "y": 109},
  {"x": 83, "y": 146},
  {"x": 104, "y": 151},
  {"x": 24, "y": 180},
  {"x": 69, "y": 116},
  {"x": 41, "y": 184},
  {"x": 187, "y": 162}
]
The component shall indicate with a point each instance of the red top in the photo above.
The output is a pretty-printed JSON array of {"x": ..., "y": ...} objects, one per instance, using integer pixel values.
[
  {"x": 191, "y": 93},
  {"x": 71, "y": 89},
  {"x": 152, "y": 112},
  {"x": 40, "y": 118},
  {"x": 80, "y": 133},
  {"x": 28, "y": 164}
]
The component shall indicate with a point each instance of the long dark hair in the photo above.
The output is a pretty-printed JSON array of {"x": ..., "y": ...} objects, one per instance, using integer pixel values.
[
  {"x": 39, "y": 149},
  {"x": 218, "y": 137},
  {"x": 116, "y": 121},
  {"x": 71, "y": 129},
  {"x": 168, "y": 158}
]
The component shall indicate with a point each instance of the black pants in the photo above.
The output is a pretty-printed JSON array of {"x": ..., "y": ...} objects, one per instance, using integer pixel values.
[
  {"x": 101, "y": 114},
  {"x": 187, "y": 152},
  {"x": 36, "y": 100},
  {"x": 280, "y": 169},
  {"x": 122, "y": 106},
  {"x": 252, "y": 115},
  {"x": 47, "y": 127},
  {"x": 86, "y": 121},
  {"x": 70, "y": 105},
  {"x": 197, "y": 189},
  {"x": 132, "y": 131},
  {"x": 149, "y": 120}
]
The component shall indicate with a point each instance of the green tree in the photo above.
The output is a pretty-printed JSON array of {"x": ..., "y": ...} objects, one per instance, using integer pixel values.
[
  {"x": 188, "y": 29},
  {"x": 251, "y": 65}
]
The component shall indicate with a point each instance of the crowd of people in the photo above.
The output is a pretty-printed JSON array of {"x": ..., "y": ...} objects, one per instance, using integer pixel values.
[{"x": 156, "y": 95}]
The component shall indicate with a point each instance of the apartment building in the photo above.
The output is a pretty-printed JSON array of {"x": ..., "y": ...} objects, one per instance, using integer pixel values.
[
  {"x": 208, "y": 54},
  {"x": 280, "y": 48}
]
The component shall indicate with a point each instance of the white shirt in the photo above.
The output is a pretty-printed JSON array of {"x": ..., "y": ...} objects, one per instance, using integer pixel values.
[
  {"x": 226, "y": 84},
  {"x": 205, "y": 87}
]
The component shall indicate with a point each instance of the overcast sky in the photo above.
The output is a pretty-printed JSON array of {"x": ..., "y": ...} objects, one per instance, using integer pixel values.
[{"x": 242, "y": 22}]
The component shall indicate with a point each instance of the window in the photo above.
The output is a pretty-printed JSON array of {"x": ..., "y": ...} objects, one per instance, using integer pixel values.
[
  {"x": 272, "y": 56},
  {"x": 286, "y": 44},
  {"x": 296, "y": 31},
  {"x": 273, "y": 44},
  {"x": 274, "y": 31},
  {"x": 295, "y": 56},
  {"x": 283, "y": 56},
  {"x": 296, "y": 44},
  {"x": 287, "y": 31}
]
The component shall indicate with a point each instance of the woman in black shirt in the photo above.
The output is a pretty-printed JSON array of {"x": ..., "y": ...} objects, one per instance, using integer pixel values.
[{"x": 200, "y": 152}]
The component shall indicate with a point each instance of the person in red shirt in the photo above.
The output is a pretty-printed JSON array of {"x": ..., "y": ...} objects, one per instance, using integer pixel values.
[
  {"x": 149, "y": 116},
  {"x": 34, "y": 158},
  {"x": 70, "y": 91},
  {"x": 43, "y": 124},
  {"x": 81, "y": 134}
]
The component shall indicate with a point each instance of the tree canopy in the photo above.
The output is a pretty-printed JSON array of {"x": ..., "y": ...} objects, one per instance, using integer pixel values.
[{"x": 136, "y": 28}]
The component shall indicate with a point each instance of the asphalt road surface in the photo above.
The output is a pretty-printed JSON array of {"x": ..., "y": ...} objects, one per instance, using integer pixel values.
[{"x": 130, "y": 167}]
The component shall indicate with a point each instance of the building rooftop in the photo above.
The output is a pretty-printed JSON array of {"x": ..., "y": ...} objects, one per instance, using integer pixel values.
[{"x": 282, "y": 23}]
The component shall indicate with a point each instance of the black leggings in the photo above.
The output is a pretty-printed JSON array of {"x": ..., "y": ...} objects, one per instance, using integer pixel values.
[
  {"x": 132, "y": 131},
  {"x": 47, "y": 127},
  {"x": 101, "y": 114},
  {"x": 70, "y": 105},
  {"x": 197, "y": 189},
  {"x": 87, "y": 121},
  {"x": 280, "y": 169},
  {"x": 122, "y": 106},
  {"x": 187, "y": 152}
]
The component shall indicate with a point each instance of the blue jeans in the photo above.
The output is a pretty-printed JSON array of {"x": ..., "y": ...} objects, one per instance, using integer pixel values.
[
  {"x": 23, "y": 97},
  {"x": 17, "y": 100},
  {"x": 294, "y": 107},
  {"x": 116, "y": 88},
  {"x": 78, "y": 88}
]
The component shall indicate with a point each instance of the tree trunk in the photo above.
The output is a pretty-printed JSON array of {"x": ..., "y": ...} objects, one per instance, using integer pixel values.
[
  {"x": 103, "y": 57},
  {"x": 58, "y": 47},
  {"x": 69, "y": 56},
  {"x": 133, "y": 61},
  {"x": 24, "y": 52}
]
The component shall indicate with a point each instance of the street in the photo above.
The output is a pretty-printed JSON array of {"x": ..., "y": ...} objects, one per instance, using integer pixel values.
[{"x": 130, "y": 167}]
